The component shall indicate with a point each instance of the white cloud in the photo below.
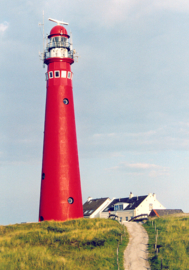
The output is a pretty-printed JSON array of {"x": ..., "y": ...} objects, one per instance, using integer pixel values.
[
  {"x": 142, "y": 166},
  {"x": 3, "y": 26},
  {"x": 151, "y": 170},
  {"x": 164, "y": 138},
  {"x": 110, "y": 12},
  {"x": 175, "y": 5}
]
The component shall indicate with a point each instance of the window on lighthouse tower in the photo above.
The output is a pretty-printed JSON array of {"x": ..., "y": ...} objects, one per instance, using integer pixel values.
[
  {"x": 69, "y": 75},
  {"x": 50, "y": 74},
  {"x": 57, "y": 73},
  {"x": 63, "y": 73},
  {"x": 65, "y": 101}
]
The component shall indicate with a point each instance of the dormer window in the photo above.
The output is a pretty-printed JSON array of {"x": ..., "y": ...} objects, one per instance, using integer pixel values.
[{"x": 118, "y": 207}]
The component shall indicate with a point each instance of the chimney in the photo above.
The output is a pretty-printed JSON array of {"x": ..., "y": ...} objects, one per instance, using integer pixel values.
[
  {"x": 89, "y": 199},
  {"x": 130, "y": 195},
  {"x": 154, "y": 195}
]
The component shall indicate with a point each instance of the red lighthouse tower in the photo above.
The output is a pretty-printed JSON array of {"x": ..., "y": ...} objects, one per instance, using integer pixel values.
[{"x": 60, "y": 181}]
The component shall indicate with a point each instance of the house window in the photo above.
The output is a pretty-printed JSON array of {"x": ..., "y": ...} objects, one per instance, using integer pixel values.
[
  {"x": 118, "y": 207},
  {"x": 150, "y": 206},
  {"x": 50, "y": 74},
  {"x": 63, "y": 74},
  {"x": 127, "y": 219},
  {"x": 86, "y": 212},
  {"x": 121, "y": 207},
  {"x": 57, "y": 74},
  {"x": 91, "y": 211},
  {"x": 115, "y": 207},
  {"x": 131, "y": 217},
  {"x": 69, "y": 75},
  {"x": 120, "y": 219}
]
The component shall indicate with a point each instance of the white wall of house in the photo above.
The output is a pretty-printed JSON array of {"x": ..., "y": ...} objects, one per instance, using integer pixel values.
[
  {"x": 125, "y": 215},
  {"x": 148, "y": 204},
  {"x": 104, "y": 214},
  {"x": 144, "y": 208}
]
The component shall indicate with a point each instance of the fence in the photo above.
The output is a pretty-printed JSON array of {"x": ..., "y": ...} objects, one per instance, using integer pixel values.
[
  {"x": 156, "y": 243},
  {"x": 120, "y": 242}
]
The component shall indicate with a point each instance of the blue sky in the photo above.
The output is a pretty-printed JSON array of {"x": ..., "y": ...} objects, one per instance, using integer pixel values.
[{"x": 131, "y": 99}]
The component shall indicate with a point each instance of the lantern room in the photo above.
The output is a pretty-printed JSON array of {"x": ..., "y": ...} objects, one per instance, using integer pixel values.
[{"x": 58, "y": 44}]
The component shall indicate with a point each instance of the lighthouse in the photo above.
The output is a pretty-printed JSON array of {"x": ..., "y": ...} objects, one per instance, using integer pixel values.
[{"x": 60, "y": 197}]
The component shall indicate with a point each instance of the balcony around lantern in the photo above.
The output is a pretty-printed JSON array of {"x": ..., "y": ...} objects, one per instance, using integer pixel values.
[{"x": 47, "y": 55}]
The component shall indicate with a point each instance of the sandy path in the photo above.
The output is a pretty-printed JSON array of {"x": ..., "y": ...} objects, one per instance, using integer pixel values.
[{"x": 136, "y": 254}]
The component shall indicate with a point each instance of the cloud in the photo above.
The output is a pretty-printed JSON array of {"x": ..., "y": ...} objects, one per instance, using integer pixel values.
[
  {"x": 4, "y": 26},
  {"x": 108, "y": 13},
  {"x": 151, "y": 170},
  {"x": 174, "y": 5},
  {"x": 170, "y": 137},
  {"x": 143, "y": 166}
]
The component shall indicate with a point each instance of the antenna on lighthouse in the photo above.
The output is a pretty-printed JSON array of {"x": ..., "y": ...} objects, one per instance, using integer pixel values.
[
  {"x": 71, "y": 42},
  {"x": 41, "y": 54},
  {"x": 75, "y": 54},
  {"x": 58, "y": 22}
]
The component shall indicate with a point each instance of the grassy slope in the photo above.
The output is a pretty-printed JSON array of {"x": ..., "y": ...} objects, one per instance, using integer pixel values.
[
  {"x": 173, "y": 242},
  {"x": 75, "y": 244}
]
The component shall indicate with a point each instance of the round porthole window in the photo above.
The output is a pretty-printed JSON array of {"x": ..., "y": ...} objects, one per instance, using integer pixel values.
[
  {"x": 70, "y": 200},
  {"x": 65, "y": 101}
]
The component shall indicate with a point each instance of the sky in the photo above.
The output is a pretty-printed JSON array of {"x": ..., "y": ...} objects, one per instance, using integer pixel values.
[{"x": 131, "y": 95}]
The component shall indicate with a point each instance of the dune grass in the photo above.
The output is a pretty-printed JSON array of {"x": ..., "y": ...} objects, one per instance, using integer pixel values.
[
  {"x": 172, "y": 242},
  {"x": 75, "y": 244}
]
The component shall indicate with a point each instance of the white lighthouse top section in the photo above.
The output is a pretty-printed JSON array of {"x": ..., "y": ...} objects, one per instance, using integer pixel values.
[{"x": 58, "y": 22}]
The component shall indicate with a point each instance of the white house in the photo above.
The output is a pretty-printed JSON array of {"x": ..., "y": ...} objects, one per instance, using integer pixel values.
[
  {"x": 127, "y": 208},
  {"x": 93, "y": 207}
]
